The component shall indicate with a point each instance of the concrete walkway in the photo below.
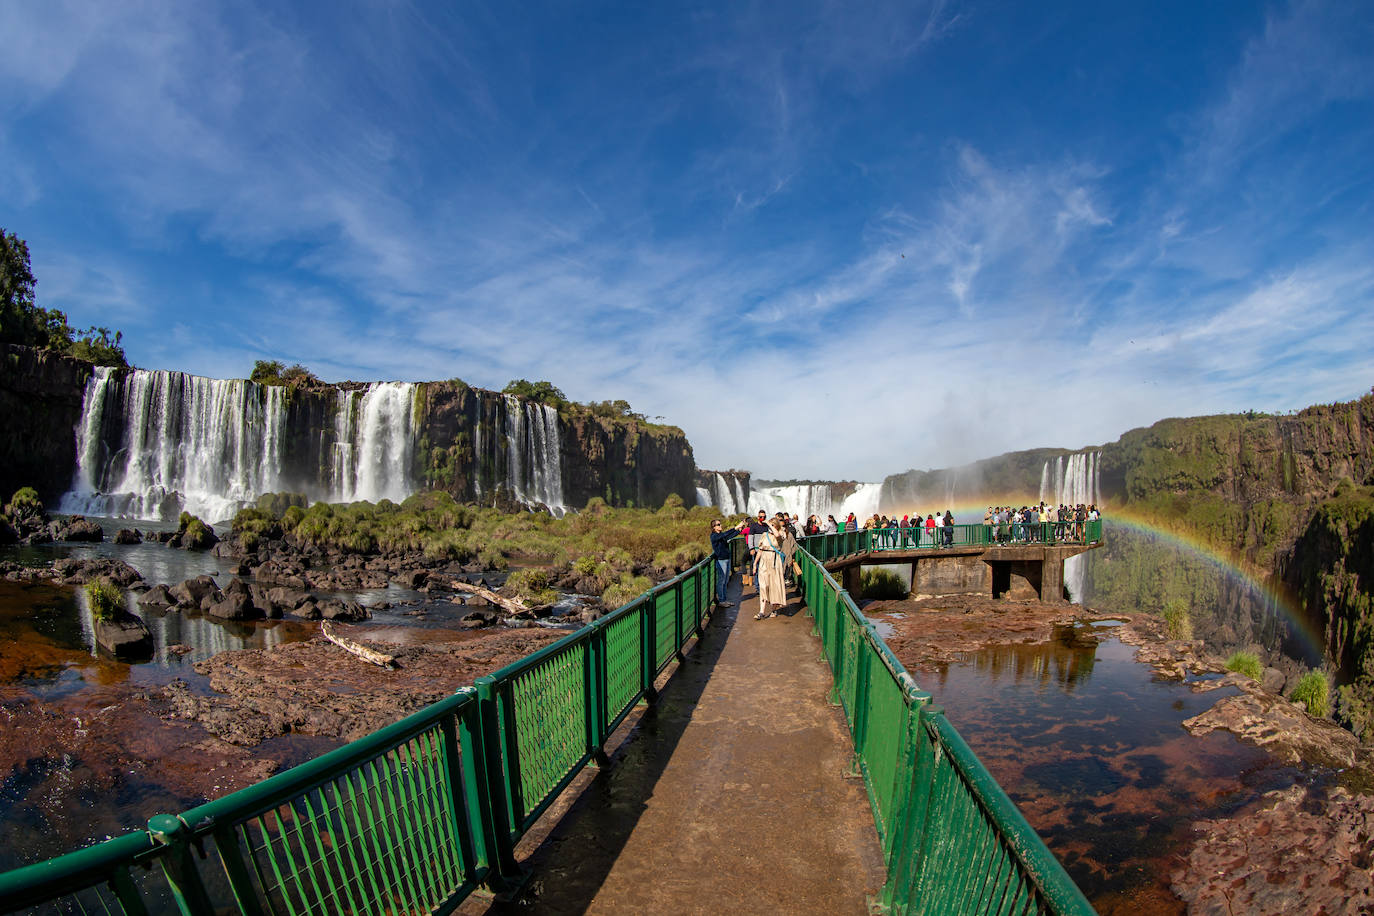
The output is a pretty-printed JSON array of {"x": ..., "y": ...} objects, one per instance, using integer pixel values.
[{"x": 728, "y": 795}]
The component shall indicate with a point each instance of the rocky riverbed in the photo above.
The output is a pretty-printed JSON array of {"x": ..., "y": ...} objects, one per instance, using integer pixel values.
[{"x": 1315, "y": 793}]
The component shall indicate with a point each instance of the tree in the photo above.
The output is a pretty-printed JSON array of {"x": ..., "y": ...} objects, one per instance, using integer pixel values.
[
  {"x": 543, "y": 392},
  {"x": 271, "y": 372},
  {"x": 24, "y": 321}
]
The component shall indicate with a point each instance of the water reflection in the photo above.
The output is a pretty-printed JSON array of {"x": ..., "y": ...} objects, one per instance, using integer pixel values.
[{"x": 1089, "y": 744}]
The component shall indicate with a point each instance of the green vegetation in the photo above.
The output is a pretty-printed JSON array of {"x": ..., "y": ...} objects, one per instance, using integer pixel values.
[
  {"x": 107, "y": 601},
  {"x": 882, "y": 584},
  {"x": 603, "y": 551},
  {"x": 272, "y": 372},
  {"x": 24, "y": 321},
  {"x": 1245, "y": 663},
  {"x": 195, "y": 534},
  {"x": 1313, "y": 690},
  {"x": 23, "y": 504},
  {"x": 543, "y": 392},
  {"x": 1177, "y": 619}
]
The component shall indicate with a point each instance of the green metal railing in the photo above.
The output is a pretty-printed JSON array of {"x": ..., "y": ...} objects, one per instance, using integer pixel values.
[
  {"x": 952, "y": 840},
  {"x": 410, "y": 819},
  {"x": 1009, "y": 534}
]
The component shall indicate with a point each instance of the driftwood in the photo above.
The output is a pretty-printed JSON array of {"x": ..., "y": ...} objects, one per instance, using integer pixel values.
[
  {"x": 511, "y": 606},
  {"x": 368, "y": 655}
]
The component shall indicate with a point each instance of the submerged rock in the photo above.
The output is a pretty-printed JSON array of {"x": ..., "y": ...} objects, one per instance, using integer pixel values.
[
  {"x": 157, "y": 596},
  {"x": 128, "y": 536},
  {"x": 193, "y": 592}
]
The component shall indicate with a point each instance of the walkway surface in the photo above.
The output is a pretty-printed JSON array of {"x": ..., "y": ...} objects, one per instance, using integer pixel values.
[{"x": 728, "y": 795}]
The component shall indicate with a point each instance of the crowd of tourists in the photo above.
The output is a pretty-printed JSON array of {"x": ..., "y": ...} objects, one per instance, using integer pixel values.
[{"x": 772, "y": 542}]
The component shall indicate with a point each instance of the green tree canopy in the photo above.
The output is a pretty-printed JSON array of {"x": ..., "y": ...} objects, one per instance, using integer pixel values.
[
  {"x": 543, "y": 392},
  {"x": 24, "y": 321}
]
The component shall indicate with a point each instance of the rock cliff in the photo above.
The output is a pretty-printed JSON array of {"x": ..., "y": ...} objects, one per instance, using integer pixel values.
[{"x": 40, "y": 407}]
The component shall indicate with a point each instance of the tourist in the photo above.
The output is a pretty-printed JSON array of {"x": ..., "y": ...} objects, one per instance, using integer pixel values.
[
  {"x": 788, "y": 542},
  {"x": 949, "y": 528},
  {"x": 930, "y": 528},
  {"x": 720, "y": 551},
  {"x": 831, "y": 526},
  {"x": 987, "y": 526},
  {"x": 768, "y": 570}
]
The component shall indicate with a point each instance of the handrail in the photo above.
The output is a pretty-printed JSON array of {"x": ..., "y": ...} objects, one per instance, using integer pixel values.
[
  {"x": 413, "y": 817},
  {"x": 952, "y": 840},
  {"x": 1008, "y": 534}
]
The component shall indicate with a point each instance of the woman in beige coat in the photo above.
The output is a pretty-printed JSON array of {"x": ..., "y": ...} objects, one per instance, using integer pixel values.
[{"x": 768, "y": 568}]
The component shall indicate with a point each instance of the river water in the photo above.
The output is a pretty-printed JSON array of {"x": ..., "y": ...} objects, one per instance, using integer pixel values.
[{"x": 1088, "y": 743}]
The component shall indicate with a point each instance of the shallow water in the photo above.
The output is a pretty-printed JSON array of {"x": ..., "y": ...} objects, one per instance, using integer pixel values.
[{"x": 1089, "y": 744}]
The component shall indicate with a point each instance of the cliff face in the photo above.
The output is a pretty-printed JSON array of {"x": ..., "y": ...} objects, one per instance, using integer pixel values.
[
  {"x": 627, "y": 462},
  {"x": 1014, "y": 476},
  {"x": 40, "y": 407},
  {"x": 464, "y": 449}
]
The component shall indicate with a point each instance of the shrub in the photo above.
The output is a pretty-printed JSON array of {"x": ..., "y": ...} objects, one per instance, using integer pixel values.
[
  {"x": 624, "y": 590},
  {"x": 1245, "y": 663},
  {"x": 492, "y": 558},
  {"x": 585, "y": 565},
  {"x": 24, "y": 503},
  {"x": 1356, "y": 705},
  {"x": 882, "y": 584},
  {"x": 106, "y": 600},
  {"x": 528, "y": 582},
  {"x": 1313, "y": 691},
  {"x": 1177, "y": 619}
]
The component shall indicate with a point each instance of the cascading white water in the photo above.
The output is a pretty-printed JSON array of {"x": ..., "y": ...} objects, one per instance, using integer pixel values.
[
  {"x": 816, "y": 499},
  {"x": 725, "y": 493},
  {"x": 152, "y": 443},
  {"x": 381, "y": 443},
  {"x": 534, "y": 456},
  {"x": 1071, "y": 483},
  {"x": 214, "y": 443}
]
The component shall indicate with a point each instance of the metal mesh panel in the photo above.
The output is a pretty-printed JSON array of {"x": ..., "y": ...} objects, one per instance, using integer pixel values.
[
  {"x": 667, "y": 636},
  {"x": 549, "y": 703},
  {"x": 883, "y": 743},
  {"x": 377, "y": 839},
  {"x": 624, "y": 664}
]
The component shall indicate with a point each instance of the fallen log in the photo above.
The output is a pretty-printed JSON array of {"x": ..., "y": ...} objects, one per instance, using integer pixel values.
[
  {"x": 509, "y": 605},
  {"x": 380, "y": 659}
]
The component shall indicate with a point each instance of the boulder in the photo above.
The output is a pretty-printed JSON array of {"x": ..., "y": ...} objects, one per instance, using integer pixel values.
[
  {"x": 124, "y": 636},
  {"x": 80, "y": 570},
  {"x": 347, "y": 611},
  {"x": 309, "y": 609},
  {"x": 288, "y": 599},
  {"x": 157, "y": 596},
  {"x": 76, "y": 528},
  {"x": 234, "y": 606},
  {"x": 410, "y": 578},
  {"x": 1273, "y": 680},
  {"x": 193, "y": 591},
  {"x": 128, "y": 536}
]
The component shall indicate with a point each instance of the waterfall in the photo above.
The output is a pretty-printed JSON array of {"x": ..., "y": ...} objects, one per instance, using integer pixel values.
[
  {"x": 725, "y": 493},
  {"x": 816, "y": 499},
  {"x": 534, "y": 455},
  {"x": 1070, "y": 483},
  {"x": 378, "y": 442},
  {"x": 153, "y": 443}
]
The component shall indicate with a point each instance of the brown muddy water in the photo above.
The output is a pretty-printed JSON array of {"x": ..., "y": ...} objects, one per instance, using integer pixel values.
[{"x": 1088, "y": 743}]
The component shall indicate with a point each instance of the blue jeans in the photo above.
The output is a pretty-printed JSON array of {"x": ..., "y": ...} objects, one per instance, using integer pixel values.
[{"x": 722, "y": 579}]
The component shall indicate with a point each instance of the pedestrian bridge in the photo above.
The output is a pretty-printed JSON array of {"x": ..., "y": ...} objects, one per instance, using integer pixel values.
[{"x": 662, "y": 759}]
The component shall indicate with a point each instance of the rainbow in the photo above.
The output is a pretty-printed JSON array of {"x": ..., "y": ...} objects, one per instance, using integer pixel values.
[{"x": 1311, "y": 640}]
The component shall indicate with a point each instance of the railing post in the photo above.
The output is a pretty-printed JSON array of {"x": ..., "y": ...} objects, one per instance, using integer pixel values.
[
  {"x": 490, "y": 769},
  {"x": 594, "y": 690},
  {"x": 678, "y": 629},
  {"x": 648, "y": 647},
  {"x": 177, "y": 865}
]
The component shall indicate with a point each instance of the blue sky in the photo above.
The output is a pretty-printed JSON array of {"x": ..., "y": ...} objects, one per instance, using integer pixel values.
[{"x": 829, "y": 240}]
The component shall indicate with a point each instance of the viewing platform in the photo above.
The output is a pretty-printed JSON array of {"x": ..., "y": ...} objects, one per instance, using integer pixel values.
[{"x": 1022, "y": 562}]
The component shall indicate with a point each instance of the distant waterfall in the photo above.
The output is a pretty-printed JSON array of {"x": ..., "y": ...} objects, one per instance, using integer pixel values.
[
  {"x": 817, "y": 499},
  {"x": 152, "y": 443},
  {"x": 1070, "y": 483},
  {"x": 534, "y": 455},
  {"x": 725, "y": 493}
]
